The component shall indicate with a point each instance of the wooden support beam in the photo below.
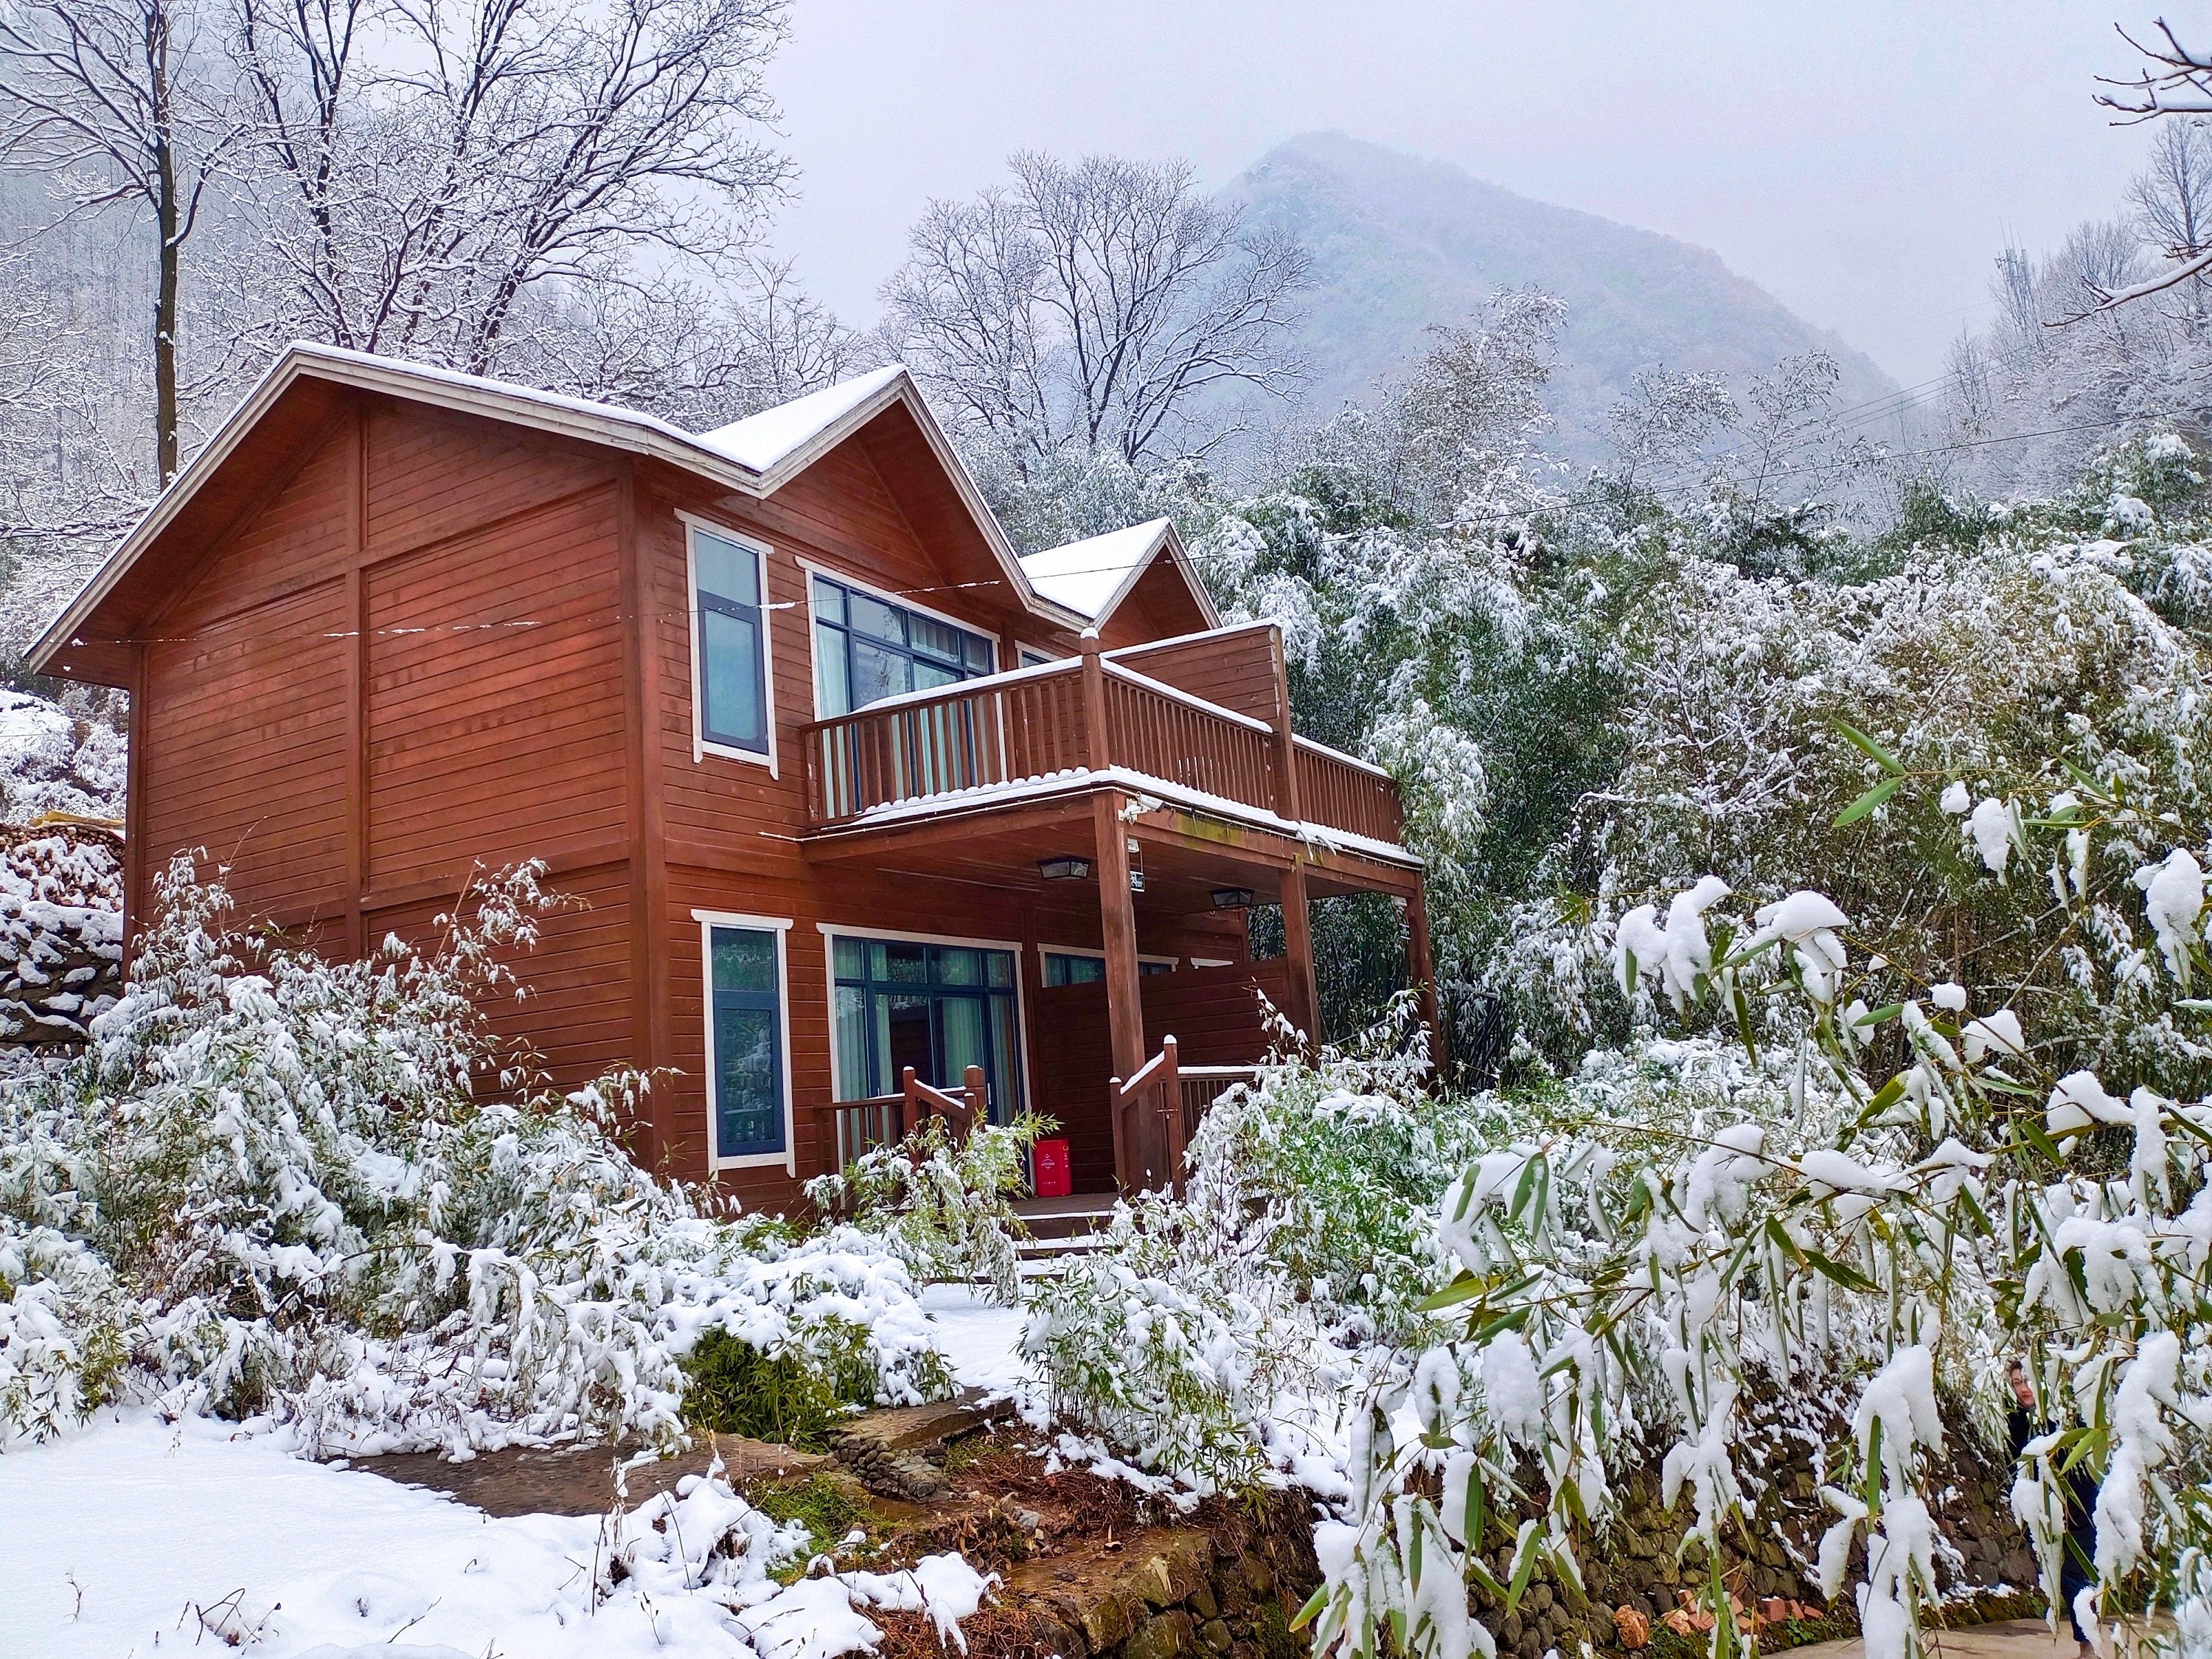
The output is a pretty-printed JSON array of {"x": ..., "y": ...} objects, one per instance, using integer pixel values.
[
  {"x": 1421, "y": 974},
  {"x": 1125, "y": 1013},
  {"x": 1297, "y": 946}
]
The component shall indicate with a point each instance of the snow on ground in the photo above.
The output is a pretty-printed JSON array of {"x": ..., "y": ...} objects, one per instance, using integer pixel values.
[
  {"x": 144, "y": 1536},
  {"x": 981, "y": 1342},
  {"x": 135, "y": 1528}
]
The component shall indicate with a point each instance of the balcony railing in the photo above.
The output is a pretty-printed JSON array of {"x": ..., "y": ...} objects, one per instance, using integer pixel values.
[{"x": 1088, "y": 714}]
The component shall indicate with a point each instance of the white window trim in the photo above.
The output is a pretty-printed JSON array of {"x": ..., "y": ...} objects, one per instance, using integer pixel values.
[
  {"x": 1044, "y": 951},
  {"x": 1209, "y": 962},
  {"x": 813, "y": 569},
  {"x": 1023, "y": 647},
  {"x": 701, "y": 745},
  {"x": 831, "y": 931},
  {"x": 781, "y": 926}
]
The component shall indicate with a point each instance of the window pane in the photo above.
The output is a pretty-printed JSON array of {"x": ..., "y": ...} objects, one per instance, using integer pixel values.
[
  {"x": 878, "y": 673},
  {"x": 851, "y": 959},
  {"x": 725, "y": 568},
  {"x": 732, "y": 672},
  {"x": 955, "y": 966},
  {"x": 978, "y": 652},
  {"x": 854, "y": 1079},
  {"x": 1006, "y": 1077},
  {"x": 934, "y": 637},
  {"x": 1002, "y": 967},
  {"x": 927, "y": 675},
  {"x": 1156, "y": 967},
  {"x": 873, "y": 617},
  {"x": 906, "y": 965},
  {"x": 828, "y": 601},
  {"x": 833, "y": 692},
  {"x": 962, "y": 1038},
  {"x": 749, "y": 1106},
  {"x": 745, "y": 960}
]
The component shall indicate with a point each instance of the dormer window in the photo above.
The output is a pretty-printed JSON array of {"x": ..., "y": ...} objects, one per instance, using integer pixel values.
[{"x": 867, "y": 648}]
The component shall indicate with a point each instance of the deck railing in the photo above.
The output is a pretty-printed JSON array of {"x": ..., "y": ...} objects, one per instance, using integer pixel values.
[
  {"x": 1345, "y": 793},
  {"x": 1064, "y": 717},
  {"x": 886, "y": 1120}
]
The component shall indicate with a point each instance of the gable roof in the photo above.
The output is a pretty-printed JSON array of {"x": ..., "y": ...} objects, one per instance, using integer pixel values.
[
  {"x": 1094, "y": 575},
  {"x": 755, "y": 457}
]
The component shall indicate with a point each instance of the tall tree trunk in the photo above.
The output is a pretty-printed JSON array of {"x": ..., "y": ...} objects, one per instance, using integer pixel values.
[{"x": 167, "y": 229}]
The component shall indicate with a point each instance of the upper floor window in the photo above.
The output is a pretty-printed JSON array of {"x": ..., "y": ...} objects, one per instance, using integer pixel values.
[
  {"x": 867, "y": 648},
  {"x": 730, "y": 640}
]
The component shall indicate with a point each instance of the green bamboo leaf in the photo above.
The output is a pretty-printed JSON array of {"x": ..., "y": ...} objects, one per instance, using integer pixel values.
[
  {"x": 1311, "y": 1611},
  {"x": 1866, "y": 803},
  {"x": 1867, "y": 746},
  {"x": 1849, "y": 1277}
]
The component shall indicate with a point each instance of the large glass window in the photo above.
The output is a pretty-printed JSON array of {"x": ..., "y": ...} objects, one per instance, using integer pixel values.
[
  {"x": 866, "y": 649},
  {"x": 1071, "y": 967},
  {"x": 733, "y": 642},
  {"x": 938, "y": 1008},
  {"x": 746, "y": 1055}
]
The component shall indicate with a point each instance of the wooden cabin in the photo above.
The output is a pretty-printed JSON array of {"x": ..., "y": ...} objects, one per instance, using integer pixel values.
[{"x": 846, "y": 786}]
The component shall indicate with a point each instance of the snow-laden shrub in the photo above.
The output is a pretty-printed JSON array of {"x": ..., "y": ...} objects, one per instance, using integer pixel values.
[
  {"x": 1930, "y": 1192},
  {"x": 65, "y": 1330},
  {"x": 1207, "y": 1337},
  {"x": 1177, "y": 1342},
  {"x": 334, "y": 1208},
  {"x": 1337, "y": 1164},
  {"x": 945, "y": 1210}
]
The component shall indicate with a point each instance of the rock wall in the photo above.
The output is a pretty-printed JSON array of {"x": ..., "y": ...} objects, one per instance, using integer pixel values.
[
  {"x": 1232, "y": 1588},
  {"x": 61, "y": 932}
]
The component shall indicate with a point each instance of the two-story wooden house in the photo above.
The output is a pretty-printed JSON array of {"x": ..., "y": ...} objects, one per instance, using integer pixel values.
[{"x": 847, "y": 784}]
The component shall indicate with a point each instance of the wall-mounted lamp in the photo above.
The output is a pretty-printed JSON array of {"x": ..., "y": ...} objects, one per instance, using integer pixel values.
[
  {"x": 1064, "y": 869},
  {"x": 1232, "y": 898}
]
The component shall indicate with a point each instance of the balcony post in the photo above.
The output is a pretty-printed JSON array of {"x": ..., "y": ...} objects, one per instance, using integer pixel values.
[
  {"x": 1297, "y": 946},
  {"x": 1125, "y": 1012},
  {"x": 1096, "y": 754},
  {"x": 1421, "y": 973},
  {"x": 1297, "y": 930}
]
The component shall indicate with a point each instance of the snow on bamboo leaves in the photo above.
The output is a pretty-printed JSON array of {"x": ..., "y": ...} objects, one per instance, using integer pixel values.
[{"x": 1624, "y": 1288}]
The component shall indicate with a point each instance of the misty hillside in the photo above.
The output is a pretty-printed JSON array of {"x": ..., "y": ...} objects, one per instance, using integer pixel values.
[{"x": 1400, "y": 243}]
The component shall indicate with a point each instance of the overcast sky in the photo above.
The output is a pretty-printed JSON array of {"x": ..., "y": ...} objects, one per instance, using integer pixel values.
[{"x": 1863, "y": 162}]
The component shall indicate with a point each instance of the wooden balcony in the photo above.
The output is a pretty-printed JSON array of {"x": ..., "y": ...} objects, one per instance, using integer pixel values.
[{"x": 1099, "y": 717}]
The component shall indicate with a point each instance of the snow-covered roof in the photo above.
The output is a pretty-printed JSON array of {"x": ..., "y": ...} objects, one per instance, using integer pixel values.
[
  {"x": 755, "y": 457},
  {"x": 764, "y": 441},
  {"x": 1091, "y": 577}
]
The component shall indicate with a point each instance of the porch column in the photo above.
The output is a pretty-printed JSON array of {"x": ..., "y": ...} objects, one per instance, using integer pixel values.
[
  {"x": 1421, "y": 973},
  {"x": 1297, "y": 930},
  {"x": 1298, "y": 947},
  {"x": 1125, "y": 1012}
]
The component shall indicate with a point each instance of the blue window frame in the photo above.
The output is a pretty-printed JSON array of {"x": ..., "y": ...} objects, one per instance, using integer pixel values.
[
  {"x": 745, "y": 1050},
  {"x": 866, "y": 649},
  {"x": 731, "y": 632},
  {"x": 938, "y": 1008}
]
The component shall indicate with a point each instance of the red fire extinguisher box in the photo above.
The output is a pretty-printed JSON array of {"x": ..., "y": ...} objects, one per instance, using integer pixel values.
[{"x": 1050, "y": 1159}]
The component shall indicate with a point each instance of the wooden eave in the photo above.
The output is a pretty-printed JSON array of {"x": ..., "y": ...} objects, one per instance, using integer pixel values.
[{"x": 291, "y": 405}]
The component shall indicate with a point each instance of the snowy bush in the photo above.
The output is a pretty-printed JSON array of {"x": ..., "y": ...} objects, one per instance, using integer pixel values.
[
  {"x": 1210, "y": 1337},
  {"x": 1929, "y": 1192},
  {"x": 333, "y": 1206},
  {"x": 944, "y": 1210}
]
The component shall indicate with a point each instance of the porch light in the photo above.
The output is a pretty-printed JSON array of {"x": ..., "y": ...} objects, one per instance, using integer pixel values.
[
  {"x": 1064, "y": 869},
  {"x": 1232, "y": 898}
]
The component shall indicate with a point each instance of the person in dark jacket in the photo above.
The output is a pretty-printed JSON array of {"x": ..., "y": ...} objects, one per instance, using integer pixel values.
[{"x": 2079, "y": 1495}]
